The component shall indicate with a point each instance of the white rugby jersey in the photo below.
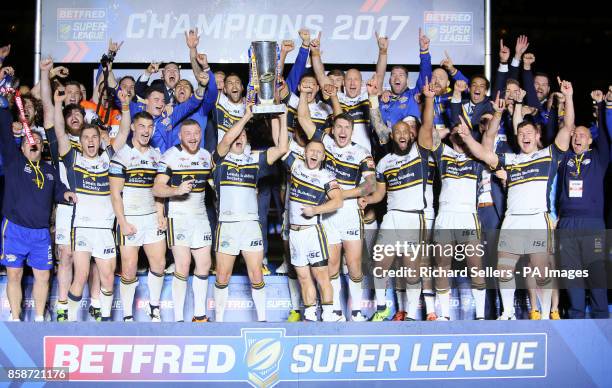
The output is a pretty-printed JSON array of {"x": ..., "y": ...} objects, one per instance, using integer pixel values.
[
  {"x": 180, "y": 165},
  {"x": 298, "y": 151},
  {"x": 459, "y": 175},
  {"x": 530, "y": 179},
  {"x": 227, "y": 114},
  {"x": 320, "y": 114},
  {"x": 306, "y": 188},
  {"x": 406, "y": 178},
  {"x": 235, "y": 178},
  {"x": 138, "y": 170},
  {"x": 349, "y": 164},
  {"x": 359, "y": 110},
  {"x": 89, "y": 179}
]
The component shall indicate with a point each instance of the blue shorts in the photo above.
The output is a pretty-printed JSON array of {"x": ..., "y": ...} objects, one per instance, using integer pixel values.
[{"x": 21, "y": 244}]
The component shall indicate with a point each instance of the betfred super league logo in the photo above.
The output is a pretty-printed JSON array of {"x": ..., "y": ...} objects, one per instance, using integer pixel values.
[{"x": 263, "y": 353}]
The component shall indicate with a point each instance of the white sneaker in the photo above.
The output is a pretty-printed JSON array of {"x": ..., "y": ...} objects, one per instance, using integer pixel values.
[
  {"x": 282, "y": 269},
  {"x": 154, "y": 313},
  {"x": 310, "y": 315},
  {"x": 358, "y": 318},
  {"x": 507, "y": 317},
  {"x": 170, "y": 269},
  {"x": 445, "y": 319},
  {"x": 332, "y": 317}
]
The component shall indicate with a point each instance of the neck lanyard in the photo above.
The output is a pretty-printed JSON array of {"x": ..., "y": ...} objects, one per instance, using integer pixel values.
[
  {"x": 578, "y": 162},
  {"x": 40, "y": 177}
]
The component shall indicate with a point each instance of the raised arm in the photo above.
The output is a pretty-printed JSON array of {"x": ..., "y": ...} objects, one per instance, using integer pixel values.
[
  {"x": 286, "y": 47},
  {"x": 382, "y": 131},
  {"x": 304, "y": 113},
  {"x": 45, "y": 92},
  {"x": 126, "y": 120},
  {"x": 330, "y": 93},
  {"x": 224, "y": 146},
  {"x": 562, "y": 140},
  {"x": 381, "y": 62},
  {"x": 317, "y": 63},
  {"x": 476, "y": 149},
  {"x": 517, "y": 115},
  {"x": 281, "y": 142},
  {"x": 297, "y": 70},
  {"x": 488, "y": 139},
  {"x": 425, "y": 61},
  {"x": 528, "y": 81},
  {"x": 63, "y": 142},
  {"x": 425, "y": 136},
  {"x": 447, "y": 64}
]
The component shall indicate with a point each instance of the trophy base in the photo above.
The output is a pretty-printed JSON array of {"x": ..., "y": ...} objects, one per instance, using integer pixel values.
[{"x": 269, "y": 109}]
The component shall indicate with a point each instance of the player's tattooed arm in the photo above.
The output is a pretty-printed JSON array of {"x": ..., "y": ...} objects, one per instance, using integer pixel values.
[{"x": 382, "y": 131}]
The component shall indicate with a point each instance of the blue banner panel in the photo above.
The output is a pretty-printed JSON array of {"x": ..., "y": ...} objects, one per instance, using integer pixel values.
[
  {"x": 79, "y": 30},
  {"x": 456, "y": 354}
]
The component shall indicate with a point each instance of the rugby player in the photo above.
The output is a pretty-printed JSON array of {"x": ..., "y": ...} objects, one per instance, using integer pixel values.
[
  {"x": 182, "y": 175},
  {"x": 313, "y": 191},
  {"x": 350, "y": 162},
  {"x": 236, "y": 172},
  {"x": 91, "y": 230},
  {"x": 457, "y": 219},
  {"x": 526, "y": 227},
  {"x": 140, "y": 216}
]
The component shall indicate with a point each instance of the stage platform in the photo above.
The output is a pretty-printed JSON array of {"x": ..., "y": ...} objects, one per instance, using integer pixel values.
[
  {"x": 388, "y": 354},
  {"x": 240, "y": 306}
]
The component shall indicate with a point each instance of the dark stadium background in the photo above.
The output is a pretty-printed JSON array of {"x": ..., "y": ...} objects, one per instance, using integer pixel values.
[{"x": 573, "y": 40}]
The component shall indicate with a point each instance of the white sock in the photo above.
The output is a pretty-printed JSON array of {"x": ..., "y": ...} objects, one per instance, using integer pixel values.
[
  {"x": 430, "y": 302},
  {"x": 259, "y": 298},
  {"x": 127, "y": 290},
  {"x": 39, "y": 318},
  {"x": 413, "y": 297},
  {"x": 310, "y": 310},
  {"x": 506, "y": 290},
  {"x": 155, "y": 282},
  {"x": 95, "y": 303},
  {"x": 294, "y": 294},
  {"x": 479, "y": 301},
  {"x": 380, "y": 290},
  {"x": 545, "y": 297},
  {"x": 356, "y": 293},
  {"x": 327, "y": 308},
  {"x": 200, "y": 290},
  {"x": 74, "y": 305},
  {"x": 401, "y": 300},
  {"x": 221, "y": 295},
  {"x": 337, "y": 288},
  {"x": 106, "y": 302},
  {"x": 179, "y": 289},
  {"x": 444, "y": 302}
]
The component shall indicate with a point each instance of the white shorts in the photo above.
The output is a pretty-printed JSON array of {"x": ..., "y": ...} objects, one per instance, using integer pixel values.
[
  {"x": 525, "y": 234},
  {"x": 233, "y": 237},
  {"x": 192, "y": 232},
  {"x": 308, "y": 246},
  {"x": 345, "y": 224},
  {"x": 100, "y": 242},
  {"x": 399, "y": 226},
  {"x": 456, "y": 227},
  {"x": 147, "y": 231},
  {"x": 63, "y": 224}
]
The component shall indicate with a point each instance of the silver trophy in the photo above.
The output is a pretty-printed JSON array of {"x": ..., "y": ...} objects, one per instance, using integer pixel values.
[{"x": 264, "y": 73}]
